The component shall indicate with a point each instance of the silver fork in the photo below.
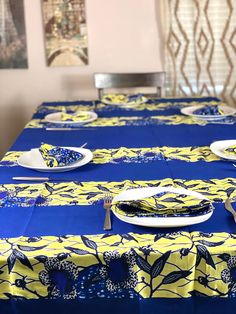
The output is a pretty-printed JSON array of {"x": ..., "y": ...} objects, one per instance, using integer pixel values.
[
  {"x": 107, "y": 207},
  {"x": 229, "y": 207}
]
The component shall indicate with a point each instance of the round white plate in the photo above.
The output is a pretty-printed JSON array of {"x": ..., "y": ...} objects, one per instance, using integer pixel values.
[
  {"x": 137, "y": 103},
  {"x": 218, "y": 148},
  {"x": 188, "y": 111},
  {"x": 56, "y": 118},
  {"x": 34, "y": 160},
  {"x": 159, "y": 222}
]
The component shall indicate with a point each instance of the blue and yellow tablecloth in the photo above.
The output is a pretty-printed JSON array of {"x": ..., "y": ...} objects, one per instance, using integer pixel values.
[{"x": 54, "y": 254}]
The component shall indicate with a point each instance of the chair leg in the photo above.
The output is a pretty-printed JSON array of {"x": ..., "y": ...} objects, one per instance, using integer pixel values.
[{"x": 100, "y": 93}]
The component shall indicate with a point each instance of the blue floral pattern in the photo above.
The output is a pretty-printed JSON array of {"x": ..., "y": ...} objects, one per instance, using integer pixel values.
[
  {"x": 229, "y": 275},
  {"x": 118, "y": 272}
]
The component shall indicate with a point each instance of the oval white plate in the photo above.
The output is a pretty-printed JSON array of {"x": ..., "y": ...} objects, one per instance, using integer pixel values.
[
  {"x": 34, "y": 160},
  {"x": 56, "y": 118},
  {"x": 188, "y": 111},
  {"x": 218, "y": 148},
  {"x": 159, "y": 222}
]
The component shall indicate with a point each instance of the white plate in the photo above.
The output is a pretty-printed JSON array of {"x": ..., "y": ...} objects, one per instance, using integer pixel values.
[
  {"x": 188, "y": 111},
  {"x": 137, "y": 103},
  {"x": 159, "y": 222},
  {"x": 34, "y": 160},
  {"x": 218, "y": 148},
  {"x": 56, "y": 118}
]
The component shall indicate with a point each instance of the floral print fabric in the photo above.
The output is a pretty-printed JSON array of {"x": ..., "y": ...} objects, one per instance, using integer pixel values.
[
  {"x": 87, "y": 193},
  {"x": 177, "y": 265},
  {"x": 136, "y": 155}
]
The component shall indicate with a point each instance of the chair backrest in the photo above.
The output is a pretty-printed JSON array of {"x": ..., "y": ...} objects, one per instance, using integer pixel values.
[{"x": 126, "y": 80}]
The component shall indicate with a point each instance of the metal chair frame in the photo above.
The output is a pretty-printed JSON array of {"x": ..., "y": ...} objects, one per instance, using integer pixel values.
[{"x": 129, "y": 80}]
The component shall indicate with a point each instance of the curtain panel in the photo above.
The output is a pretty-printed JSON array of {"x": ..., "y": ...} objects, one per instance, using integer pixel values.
[{"x": 200, "y": 57}]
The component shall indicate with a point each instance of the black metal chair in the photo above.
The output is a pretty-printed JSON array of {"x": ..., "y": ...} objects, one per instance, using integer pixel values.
[{"x": 129, "y": 80}]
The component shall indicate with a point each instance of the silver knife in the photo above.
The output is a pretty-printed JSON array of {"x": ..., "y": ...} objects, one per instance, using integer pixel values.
[
  {"x": 70, "y": 129},
  {"x": 39, "y": 179}
]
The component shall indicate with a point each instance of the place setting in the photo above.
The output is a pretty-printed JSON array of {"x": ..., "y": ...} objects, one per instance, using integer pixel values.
[
  {"x": 50, "y": 158},
  {"x": 209, "y": 112},
  {"x": 159, "y": 207},
  {"x": 68, "y": 121},
  {"x": 225, "y": 149}
]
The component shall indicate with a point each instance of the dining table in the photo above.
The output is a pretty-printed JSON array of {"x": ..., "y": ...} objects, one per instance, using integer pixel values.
[{"x": 56, "y": 257}]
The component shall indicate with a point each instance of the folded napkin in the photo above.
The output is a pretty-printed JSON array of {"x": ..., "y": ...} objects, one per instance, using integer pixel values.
[
  {"x": 231, "y": 150},
  {"x": 55, "y": 156},
  {"x": 79, "y": 116},
  {"x": 134, "y": 98},
  {"x": 163, "y": 204},
  {"x": 124, "y": 99},
  {"x": 210, "y": 110}
]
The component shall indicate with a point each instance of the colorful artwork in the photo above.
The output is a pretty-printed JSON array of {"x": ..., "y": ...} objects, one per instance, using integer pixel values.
[
  {"x": 13, "y": 52},
  {"x": 65, "y": 32}
]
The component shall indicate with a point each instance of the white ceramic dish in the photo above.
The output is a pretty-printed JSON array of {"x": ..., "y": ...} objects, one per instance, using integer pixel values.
[
  {"x": 159, "y": 222},
  {"x": 188, "y": 111},
  {"x": 218, "y": 148},
  {"x": 56, "y": 118},
  {"x": 34, "y": 160}
]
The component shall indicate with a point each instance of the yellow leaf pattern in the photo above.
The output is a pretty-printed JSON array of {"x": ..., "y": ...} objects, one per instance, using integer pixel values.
[
  {"x": 86, "y": 193},
  {"x": 155, "y": 104},
  {"x": 177, "y": 265},
  {"x": 137, "y": 121},
  {"x": 136, "y": 155}
]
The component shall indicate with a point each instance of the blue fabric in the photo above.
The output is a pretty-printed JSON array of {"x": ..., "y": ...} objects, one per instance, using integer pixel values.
[
  {"x": 110, "y": 111},
  {"x": 161, "y": 100},
  {"x": 134, "y": 171},
  {"x": 128, "y": 136},
  {"x": 27, "y": 221},
  {"x": 79, "y": 220}
]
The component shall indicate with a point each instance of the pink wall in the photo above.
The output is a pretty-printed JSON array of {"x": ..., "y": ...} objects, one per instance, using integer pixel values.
[{"x": 123, "y": 36}]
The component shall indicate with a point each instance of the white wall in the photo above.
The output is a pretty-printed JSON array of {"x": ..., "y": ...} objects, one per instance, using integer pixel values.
[{"x": 123, "y": 36}]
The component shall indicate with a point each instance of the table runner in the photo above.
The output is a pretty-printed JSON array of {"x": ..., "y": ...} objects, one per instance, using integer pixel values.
[{"x": 53, "y": 247}]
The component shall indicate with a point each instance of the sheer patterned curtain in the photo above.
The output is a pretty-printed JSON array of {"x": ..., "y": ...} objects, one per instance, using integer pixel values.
[{"x": 201, "y": 48}]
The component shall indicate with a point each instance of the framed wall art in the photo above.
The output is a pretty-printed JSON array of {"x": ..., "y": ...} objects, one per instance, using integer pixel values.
[
  {"x": 65, "y": 32},
  {"x": 13, "y": 50}
]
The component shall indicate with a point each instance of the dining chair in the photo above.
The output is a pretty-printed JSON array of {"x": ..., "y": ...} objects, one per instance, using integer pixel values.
[{"x": 129, "y": 80}]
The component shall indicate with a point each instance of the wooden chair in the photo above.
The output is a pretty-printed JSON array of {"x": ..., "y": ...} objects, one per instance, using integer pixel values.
[{"x": 127, "y": 80}]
